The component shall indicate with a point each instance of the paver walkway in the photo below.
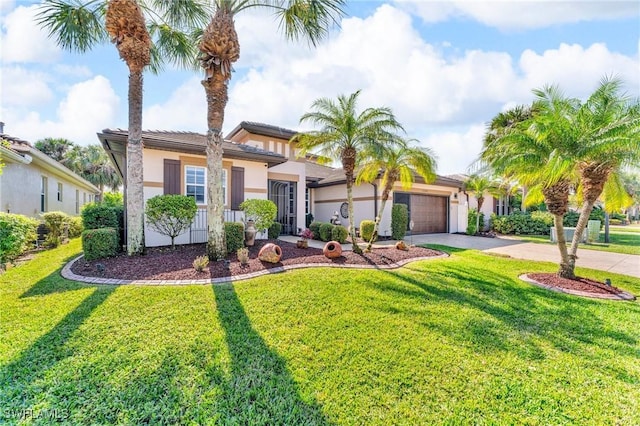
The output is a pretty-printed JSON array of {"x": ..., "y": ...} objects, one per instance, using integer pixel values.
[{"x": 626, "y": 264}]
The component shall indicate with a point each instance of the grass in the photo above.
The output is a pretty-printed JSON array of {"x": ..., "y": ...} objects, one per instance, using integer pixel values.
[
  {"x": 619, "y": 242},
  {"x": 458, "y": 341},
  {"x": 626, "y": 228}
]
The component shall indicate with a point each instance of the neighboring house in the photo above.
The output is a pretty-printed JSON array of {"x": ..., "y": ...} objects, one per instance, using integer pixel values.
[
  {"x": 33, "y": 183},
  {"x": 260, "y": 162}
]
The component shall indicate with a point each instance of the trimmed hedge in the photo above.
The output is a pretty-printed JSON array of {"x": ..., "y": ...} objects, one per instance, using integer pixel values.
[
  {"x": 339, "y": 233},
  {"x": 234, "y": 235},
  {"x": 99, "y": 243},
  {"x": 325, "y": 231},
  {"x": 275, "y": 230},
  {"x": 366, "y": 229},
  {"x": 314, "y": 227},
  {"x": 57, "y": 224},
  {"x": 17, "y": 234},
  {"x": 399, "y": 221},
  {"x": 101, "y": 215},
  {"x": 75, "y": 227},
  {"x": 519, "y": 223},
  {"x": 471, "y": 221}
]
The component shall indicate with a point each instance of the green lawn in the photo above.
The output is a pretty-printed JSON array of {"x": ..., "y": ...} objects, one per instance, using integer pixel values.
[
  {"x": 619, "y": 242},
  {"x": 627, "y": 228},
  {"x": 457, "y": 341}
]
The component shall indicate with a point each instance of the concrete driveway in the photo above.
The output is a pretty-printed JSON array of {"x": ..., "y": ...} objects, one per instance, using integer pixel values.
[{"x": 626, "y": 264}]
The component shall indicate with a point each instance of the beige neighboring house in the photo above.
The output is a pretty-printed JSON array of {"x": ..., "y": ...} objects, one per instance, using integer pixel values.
[
  {"x": 33, "y": 183},
  {"x": 260, "y": 162}
]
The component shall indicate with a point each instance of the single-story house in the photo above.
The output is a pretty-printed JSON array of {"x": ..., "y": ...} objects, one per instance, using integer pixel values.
[
  {"x": 33, "y": 183},
  {"x": 260, "y": 162}
]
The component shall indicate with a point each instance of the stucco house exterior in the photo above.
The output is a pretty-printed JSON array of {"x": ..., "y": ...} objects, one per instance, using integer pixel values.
[
  {"x": 261, "y": 162},
  {"x": 32, "y": 183}
]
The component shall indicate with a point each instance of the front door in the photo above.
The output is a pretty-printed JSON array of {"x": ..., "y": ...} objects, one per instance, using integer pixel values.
[{"x": 284, "y": 195}]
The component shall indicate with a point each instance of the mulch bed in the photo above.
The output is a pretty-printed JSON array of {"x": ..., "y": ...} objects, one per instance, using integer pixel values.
[
  {"x": 579, "y": 284},
  {"x": 162, "y": 263}
]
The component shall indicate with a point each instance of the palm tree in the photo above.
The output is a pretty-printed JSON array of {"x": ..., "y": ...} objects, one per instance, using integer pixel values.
[
  {"x": 608, "y": 126},
  {"x": 220, "y": 49},
  {"x": 92, "y": 163},
  {"x": 80, "y": 25},
  {"x": 478, "y": 185},
  {"x": 56, "y": 148},
  {"x": 397, "y": 161},
  {"x": 343, "y": 133},
  {"x": 538, "y": 152}
]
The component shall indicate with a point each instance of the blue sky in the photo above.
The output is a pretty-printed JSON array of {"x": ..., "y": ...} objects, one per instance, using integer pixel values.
[{"x": 445, "y": 68}]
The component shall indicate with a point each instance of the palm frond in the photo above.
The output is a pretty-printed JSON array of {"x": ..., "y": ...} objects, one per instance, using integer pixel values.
[{"x": 75, "y": 25}]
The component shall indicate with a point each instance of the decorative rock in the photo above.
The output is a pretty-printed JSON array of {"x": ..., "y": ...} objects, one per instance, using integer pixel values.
[
  {"x": 302, "y": 244},
  {"x": 332, "y": 249},
  {"x": 270, "y": 253},
  {"x": 401, "y": 245}
]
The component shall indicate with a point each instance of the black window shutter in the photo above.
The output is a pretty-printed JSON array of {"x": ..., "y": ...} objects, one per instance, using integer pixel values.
[
  {"x": 172, "y": 177},
  {"x": 237, "y": 187}
]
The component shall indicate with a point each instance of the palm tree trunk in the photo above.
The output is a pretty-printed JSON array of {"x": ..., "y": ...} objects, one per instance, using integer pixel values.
[
  {"x": 217, "y": 96},
  {"x": 348, "y": 164},
  {"x": 376, "y": 226},
  {"x": 565, "y": 271},
  {"x": 480, "y": 203},
  {"x": 135, "y": 193}
]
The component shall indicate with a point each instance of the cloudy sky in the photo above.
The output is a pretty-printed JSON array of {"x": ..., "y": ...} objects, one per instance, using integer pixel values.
[{"x": 445, "y": 68}]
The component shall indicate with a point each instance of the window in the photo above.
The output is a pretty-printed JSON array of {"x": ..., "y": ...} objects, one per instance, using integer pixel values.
[
  {"x": 84, "y": 198},
  {"x": 77, "y": 201},
  {"x": 307, "y": 196},
  {"x": 196, "y": 182},
  {"x": 60, "y": 191},
  {"x": 43, "y": 194}
]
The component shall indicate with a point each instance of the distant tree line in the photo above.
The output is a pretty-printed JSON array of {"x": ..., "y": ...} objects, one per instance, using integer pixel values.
[{"x": 90, "y": 162}]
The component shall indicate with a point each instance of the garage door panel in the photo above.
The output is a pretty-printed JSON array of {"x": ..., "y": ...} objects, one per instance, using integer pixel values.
[{"x": 429, "y": 214}]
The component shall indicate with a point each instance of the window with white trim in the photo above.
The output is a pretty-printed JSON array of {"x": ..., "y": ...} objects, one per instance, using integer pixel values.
[
  {"x": 196, "y": 182},
  {"x": 60, "y": 191},
  {"x": 43, "y": 194}
]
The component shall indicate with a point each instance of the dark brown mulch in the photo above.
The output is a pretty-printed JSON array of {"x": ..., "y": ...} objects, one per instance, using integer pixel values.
[
  {"x": 162, "y": 263},
  {"x": 579, "y": 284}
]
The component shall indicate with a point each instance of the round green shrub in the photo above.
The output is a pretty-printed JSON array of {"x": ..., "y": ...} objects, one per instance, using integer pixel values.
[
  {"x": 315, "y": 228},
  {"x": 57, "y": 224},
  {"x": 17, "y": 234},
  {"x": 170, "y": 215},
  {"x": 275, "y": 230},
  {"x": 99, "y": 243},
  {"x": 366, "y": 229},
  {"x": 325, "y": 231},
  {"x": 339, "y": 233},
  {"x": 234, "y": 236},
  {"x": 75, "y": 227},
  {"x": 262, "y": 212}
]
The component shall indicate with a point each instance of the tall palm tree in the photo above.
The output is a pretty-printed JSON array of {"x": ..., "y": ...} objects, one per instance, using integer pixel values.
[
  {"x": 538, "y": 152},
  {"x": 397, "y": 162},
  {"x": 608, "y": 126},
  {"x": 81, "y": 24},
  {"x": 479, "y": 185},
  {"x": 92, "y": 163},
  {"x": 219, "y": 50},
  {"x": 343, "y": 133}
]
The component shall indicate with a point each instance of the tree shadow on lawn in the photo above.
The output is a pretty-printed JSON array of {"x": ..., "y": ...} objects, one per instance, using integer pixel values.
[
  {"x": 261, "y": 389},
  {"x": 516, "y": 316},
  {"x": 19, "y": 387}
]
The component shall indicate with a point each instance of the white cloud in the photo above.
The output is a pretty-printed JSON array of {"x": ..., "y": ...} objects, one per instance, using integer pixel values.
[
  {"x": 521, "y": 15},
  {"x": 88, "y": 107},
  {"x": 76, "y": 71},
  {"x": 6, "y": 5},
  {"x": 23, "y": 40},
  {"x": 430, "y": 92},
  {"x": 24, "y": 87}
]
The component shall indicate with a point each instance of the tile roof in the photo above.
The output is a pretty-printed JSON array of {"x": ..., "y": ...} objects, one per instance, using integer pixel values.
[{"x": 263, "y": 129}]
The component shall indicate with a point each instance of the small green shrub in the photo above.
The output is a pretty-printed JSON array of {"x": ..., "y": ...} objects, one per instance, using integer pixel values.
[
  {"x": 114, "y": 199},
  {"x": 399, "y": 221},
  {"x": 57, "y": 224},
  {"x": 472, "y": 215},
  {"x": 366, "y": 229},
  {"x": 262, "y": 212},
  {"x": 101, "y": 215},
  {"x": 339, "y": 233},
  {"x": 315, "y": 228},
  {"x": 17, "y": 235},
  {"x": 170, "y": 215},
  {"x": 200, "y": 262},
  {"x": 75, "y": 227},
  {"x": 325, "y": 231},
  {"x": 99, "y": 243},
  {"x": 274, "y": 230},
  {"x": 234, "y": 235}
]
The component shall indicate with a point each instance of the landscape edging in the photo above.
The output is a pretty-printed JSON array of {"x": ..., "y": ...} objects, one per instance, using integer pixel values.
[
  {"x": 626, "y": 296},
  {"x": 68, "y": 274}
]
